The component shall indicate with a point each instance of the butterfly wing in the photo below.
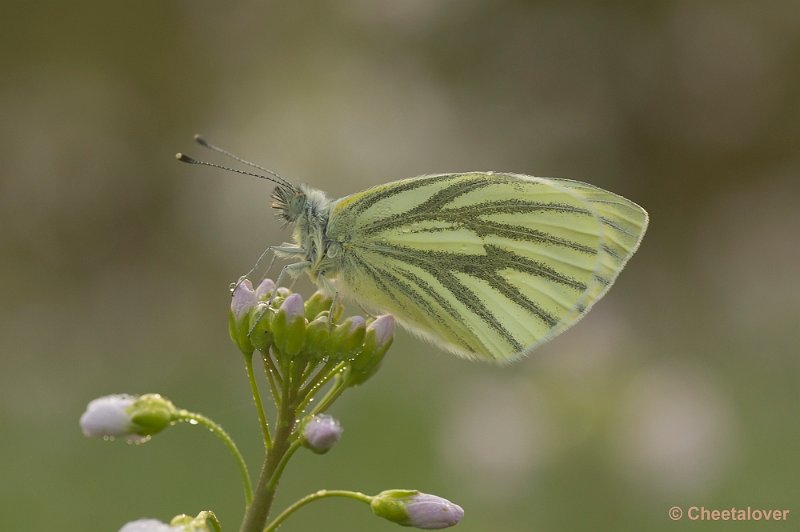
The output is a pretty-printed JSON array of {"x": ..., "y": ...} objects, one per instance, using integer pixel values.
[{"x": 485, "y": 265}]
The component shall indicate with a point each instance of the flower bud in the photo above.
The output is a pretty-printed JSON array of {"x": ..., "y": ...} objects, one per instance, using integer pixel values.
[
  {"x": 260, "y": 327},
  {"x": 283, "y": 292},
  {"x": 380, "y": 334},
  {"x": 134, "y": 418},
  {"x": 289, "y": 326},
  {"x": 377, "y": 340},
  {"x": 152, "y": 413},
  {"x": 420, "y": 510},
  {"x": 318, "y": 334},
  {"x": 149, "y": 525},
  {"x": 336, "y": 311},
  {"x": 109, "y": 417},
  {"x": 347, "y": 338},
  {"x": 243, "y": 300},
  {"x": 319, "y": 302},
  {"x": 204, "y": 522},
  {"x": 320, "y": 433},
  {"x": 265, "y": 289}
]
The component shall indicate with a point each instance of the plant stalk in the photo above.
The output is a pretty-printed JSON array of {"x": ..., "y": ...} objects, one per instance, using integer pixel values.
[{"x": 257, "y": 513}]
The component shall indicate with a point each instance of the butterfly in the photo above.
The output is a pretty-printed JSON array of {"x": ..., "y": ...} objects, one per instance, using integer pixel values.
[{"x": 485, "y": 265}]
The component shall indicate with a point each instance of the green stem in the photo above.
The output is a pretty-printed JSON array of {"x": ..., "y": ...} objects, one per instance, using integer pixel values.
[
  {"x": 281, "y": 465},
  {"x": 336, "y": 390},
  {"x": 257, "y": 513},
  {"x": 262, "y": 418},
  {"x": 330, "y": 370},
  {"x": 308, "y": 371},
  {"x": 296, "y": 379},
  {"x": 273, "y": 369},
  {"x": 198, "y": 419},
  {"x": 311, "y": 498},
  {"x": 273, "y": 377}
]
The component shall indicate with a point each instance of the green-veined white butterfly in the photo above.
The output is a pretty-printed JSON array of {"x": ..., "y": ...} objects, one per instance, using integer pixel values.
[{"x": 486, "y": 265}]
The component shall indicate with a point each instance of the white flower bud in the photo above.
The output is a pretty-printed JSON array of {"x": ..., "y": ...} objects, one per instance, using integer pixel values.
[
  {"x": 128, "y": 416},
  {"x": 149, "y": 525},
  {"x": 110, "y": 417}
]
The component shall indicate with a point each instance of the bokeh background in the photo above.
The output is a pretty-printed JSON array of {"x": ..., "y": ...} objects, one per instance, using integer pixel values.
[{"x": 680, "y": 388}]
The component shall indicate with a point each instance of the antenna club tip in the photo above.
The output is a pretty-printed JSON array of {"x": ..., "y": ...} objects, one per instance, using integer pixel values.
[
  {"x": 183, "y": 158},
  {"x": 198, "y": 138}
]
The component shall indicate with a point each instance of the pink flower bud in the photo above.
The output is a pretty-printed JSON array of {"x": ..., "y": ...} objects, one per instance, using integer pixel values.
[
  {"x": 321, "y": 432},
  {"x": 243, "y": 299}
]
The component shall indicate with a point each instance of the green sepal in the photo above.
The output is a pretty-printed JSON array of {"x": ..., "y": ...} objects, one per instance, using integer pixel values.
[
  {"x": 318, "y": 334},
  {"x": 391, "y": 505},
  {"x": 377, "y": 341},
  {"x": 151, "y": 413},
  {"x": 366, "y": 363},
  {"x": 205, "y": 521},
  {"x": 336, "y": 310},
  {"x": 260, "y": 325},
  {"x": 347, "y": 337},
  {"x": 317, "y": 303},
  {"x": 238, "y": 329},
  {"x": 289, "y": 332}
]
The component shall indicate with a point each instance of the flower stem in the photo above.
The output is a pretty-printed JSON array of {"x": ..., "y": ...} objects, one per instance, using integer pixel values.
[
  {"x": 330, "y": 370},
  {"x": 190, "y": 417},
  {"x": 273, "y": 377},
  {"x": 257, "y": 513},
  {"x": 311, "y": 498},
  {"x": 335, "y": 391},
  {"x": 281, "y": 465},
  {"x": 262, "y": 418}
]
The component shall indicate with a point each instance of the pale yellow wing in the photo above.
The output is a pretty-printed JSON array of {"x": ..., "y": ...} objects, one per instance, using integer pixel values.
[{"x": 486, "y": 265}]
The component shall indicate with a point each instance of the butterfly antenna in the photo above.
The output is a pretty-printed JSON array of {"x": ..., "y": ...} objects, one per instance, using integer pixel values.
[
  {"x": 204, "y": 143},
  {"x": 190, "y": 160}
]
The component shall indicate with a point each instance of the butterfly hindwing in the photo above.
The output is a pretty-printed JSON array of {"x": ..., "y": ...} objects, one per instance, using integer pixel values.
[{"x": 486, "y": 265}]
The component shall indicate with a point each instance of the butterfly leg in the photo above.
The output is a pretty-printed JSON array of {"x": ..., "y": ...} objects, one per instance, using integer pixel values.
[
  {"x": 330, "y": 288},
  {"x": 293, "y": 270},
  {"x": 258, "y": 261},
  {"x": 286, "y": 249},
  {"x": 366, "y": 312},
  {"x": 247, "y": 275}
]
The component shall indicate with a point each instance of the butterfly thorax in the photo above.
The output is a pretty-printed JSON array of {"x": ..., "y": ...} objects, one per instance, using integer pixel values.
[{"x": 307, "y": 210}]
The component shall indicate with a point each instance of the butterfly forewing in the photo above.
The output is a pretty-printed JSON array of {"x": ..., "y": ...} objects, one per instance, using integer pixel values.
[{"x": 486, "y": 265}]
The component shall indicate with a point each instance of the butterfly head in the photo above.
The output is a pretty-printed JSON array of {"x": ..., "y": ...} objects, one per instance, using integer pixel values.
[
  {"x": 289, "y": 201},
  {"x": 299, "y": 204}
]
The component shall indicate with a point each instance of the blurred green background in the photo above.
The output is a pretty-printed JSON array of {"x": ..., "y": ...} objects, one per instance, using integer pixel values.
[{"x": 680, "y": 388}]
